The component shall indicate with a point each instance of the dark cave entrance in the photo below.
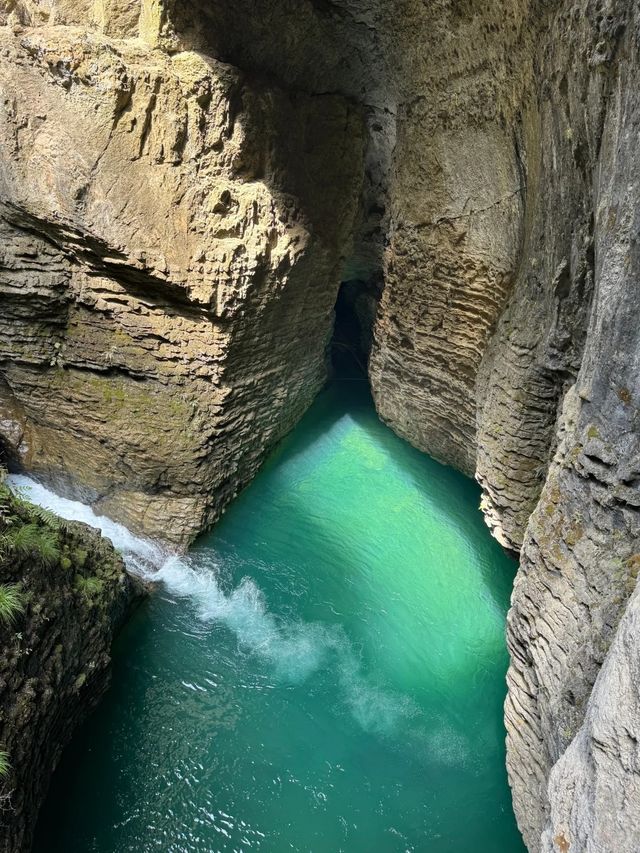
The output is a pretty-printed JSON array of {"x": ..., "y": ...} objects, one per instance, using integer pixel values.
[{"x": 355, "y": 312}]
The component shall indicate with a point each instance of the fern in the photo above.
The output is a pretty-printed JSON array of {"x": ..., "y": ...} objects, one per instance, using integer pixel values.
[
  {"x": 48, "y": 548},
  {"x": 20, "y": 496},
  {"x": 45, "y": 517},
  {"x": 12, "y": 603}
]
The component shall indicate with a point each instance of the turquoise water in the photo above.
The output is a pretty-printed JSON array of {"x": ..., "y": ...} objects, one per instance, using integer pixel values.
[{"x": 324, "y": 673}]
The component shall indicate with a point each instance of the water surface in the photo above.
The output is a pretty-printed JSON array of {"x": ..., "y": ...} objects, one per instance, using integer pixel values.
[{"x": 324, "y": 672}]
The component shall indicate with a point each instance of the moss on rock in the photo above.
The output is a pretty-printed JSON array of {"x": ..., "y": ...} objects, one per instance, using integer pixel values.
[{"x": 54, "y": 650}]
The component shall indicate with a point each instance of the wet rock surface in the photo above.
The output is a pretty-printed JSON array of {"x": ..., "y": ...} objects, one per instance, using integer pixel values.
[{"x": 54, "y": 665}]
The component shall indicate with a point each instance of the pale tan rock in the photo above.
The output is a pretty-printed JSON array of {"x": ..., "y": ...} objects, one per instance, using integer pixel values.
[
  {"x": 156, "y": 242},
  {"x": 455, "y": 200}
]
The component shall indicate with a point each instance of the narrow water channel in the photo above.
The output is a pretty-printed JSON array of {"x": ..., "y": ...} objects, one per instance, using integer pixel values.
[{"x": 323, "y": 673}]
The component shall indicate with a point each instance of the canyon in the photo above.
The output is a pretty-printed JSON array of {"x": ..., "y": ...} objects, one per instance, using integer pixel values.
[{"x": 184, "y": 186}]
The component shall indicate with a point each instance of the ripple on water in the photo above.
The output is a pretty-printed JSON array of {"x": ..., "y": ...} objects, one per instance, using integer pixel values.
[{"x": 324, "y": 672}]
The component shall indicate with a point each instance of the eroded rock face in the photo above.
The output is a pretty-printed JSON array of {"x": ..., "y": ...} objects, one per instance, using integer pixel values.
[
  {"x": 161, "y": 226},
  {"x": 536, "y": 352},
  {"x": 579, "y": 561},
  {"x": 455, "y": 203},
  {"x": 441, "y": 86},
  {"x": 594, "y": 788}
]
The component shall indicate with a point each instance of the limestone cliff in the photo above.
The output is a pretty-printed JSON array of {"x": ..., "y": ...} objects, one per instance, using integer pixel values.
[
  {"x": 162, "y": 224},
  {"x": 577, "y": 293},
  {"x": 593, "y": 787},
  {"x": 550, "y": 345},
  {"x": 441, "y": 85},
  {"x": 71, "y": 592}
]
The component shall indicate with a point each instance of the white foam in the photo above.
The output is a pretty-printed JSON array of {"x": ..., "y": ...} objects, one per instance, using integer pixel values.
[
  {"x": 136, "y": 551},
  {"x": 294, "y": 649}
]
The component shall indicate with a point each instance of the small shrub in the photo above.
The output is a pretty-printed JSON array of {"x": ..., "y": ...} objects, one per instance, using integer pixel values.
[{"x": 12, "y": 603}]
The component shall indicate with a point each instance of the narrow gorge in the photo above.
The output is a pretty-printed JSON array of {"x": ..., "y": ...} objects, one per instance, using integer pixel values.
[{"x": 208, "y": 211}]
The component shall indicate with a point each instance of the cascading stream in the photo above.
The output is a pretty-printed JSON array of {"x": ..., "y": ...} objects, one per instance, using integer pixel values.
[{"x": 324, "y": 672}]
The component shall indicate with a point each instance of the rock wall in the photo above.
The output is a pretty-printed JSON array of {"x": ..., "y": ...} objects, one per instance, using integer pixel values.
[
  {"x": 441, "y": 86},
  {"x": 508, "y": 338},
  {"x": 579, "y": 561},
  {"x": 510, "y": 199},
  {"x": 162, "y": 224},
  {"x": 593, "y": 787},
  {"x": 455, "y": 203},
  {"x": 54, "y": 663}
]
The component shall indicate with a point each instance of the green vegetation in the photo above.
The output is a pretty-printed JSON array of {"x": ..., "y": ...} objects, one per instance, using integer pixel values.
[
  {"x": 20, "y": 502},
  {"x": 79, "y": 557},
  {"x": 45, "y": 516},
  {"x": 29, "y": 530},
  {"x": 5, "y": 767},
  {"x": 88, "y": 586},
  {"x": 31, "y": 540},
  {"x": 37, "y": 535},
  {"x": 12, "y": 603}
]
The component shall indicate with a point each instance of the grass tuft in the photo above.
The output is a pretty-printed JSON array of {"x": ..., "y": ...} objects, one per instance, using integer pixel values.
[
  {"x": 5, "y": 767},
  {"x": 12, "y": 603},
  {"x": 88, "y": 586},
  {"x": 32, "y": 540}
]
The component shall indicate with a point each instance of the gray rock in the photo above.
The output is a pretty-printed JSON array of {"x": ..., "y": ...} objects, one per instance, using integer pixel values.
[{"x": 594, "y": 788}]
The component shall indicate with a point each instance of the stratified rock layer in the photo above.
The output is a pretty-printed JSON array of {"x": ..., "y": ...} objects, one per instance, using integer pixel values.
[
  {"x": 579, "y": 561},
  {"x": 455, "y": 202},
  {"x": 594, "y": 788},
  {"x": 169, "y": 267}
]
